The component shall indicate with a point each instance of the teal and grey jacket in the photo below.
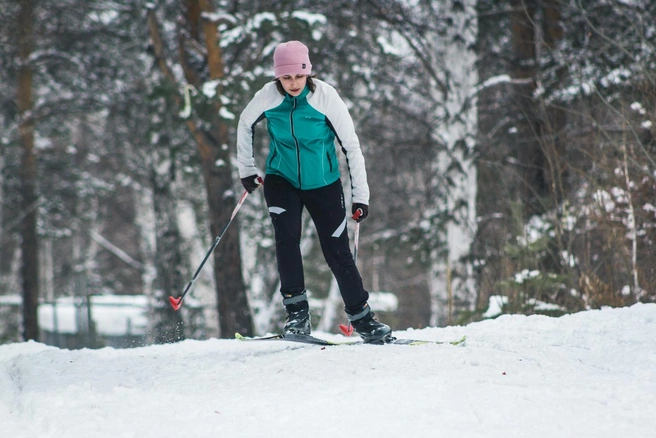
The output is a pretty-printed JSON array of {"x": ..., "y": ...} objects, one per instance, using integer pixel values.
[{"x": 304, "y": 132}]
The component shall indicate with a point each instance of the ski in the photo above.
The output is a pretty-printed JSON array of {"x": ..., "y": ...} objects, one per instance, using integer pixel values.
[
  {"x": 396, "y": 341},
  {"x": 307, "y": 339}
]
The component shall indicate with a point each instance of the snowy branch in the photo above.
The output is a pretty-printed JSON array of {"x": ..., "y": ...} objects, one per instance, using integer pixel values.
[{"x": 118, "y": 252}]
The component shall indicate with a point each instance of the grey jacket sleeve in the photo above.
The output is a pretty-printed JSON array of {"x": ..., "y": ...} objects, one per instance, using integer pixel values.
[
  {"x": 266, "y": 98},
  {"x": 328, "y": 101}
]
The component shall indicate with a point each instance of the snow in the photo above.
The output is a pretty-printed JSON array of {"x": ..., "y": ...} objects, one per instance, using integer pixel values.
[
  {"x": 496, "y": 302},
  {"x": 311, "y": 18},
  {"x": 387, "y": 46},
  {"x": 225, "y": 114},
  {"x": 104, "y": 17},
  {"x": 590, "y": 374},
  {"x": 217, "y": 17},
  {"x": 495, "y": 307},
  {"x": 490, "y": 82},
  {"x": 209, "y": 88}
]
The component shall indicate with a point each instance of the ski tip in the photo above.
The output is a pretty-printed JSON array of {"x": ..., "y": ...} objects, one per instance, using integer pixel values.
[
  {"x": 175, "y": 302},
  {"x": 347, "y": 330},
  {"x": 239, "y": 336}
]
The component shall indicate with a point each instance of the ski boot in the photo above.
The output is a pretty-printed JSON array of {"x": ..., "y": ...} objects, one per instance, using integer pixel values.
[
  {"x": 370, "y": 330},
  {"x": 298, "y": 315}
]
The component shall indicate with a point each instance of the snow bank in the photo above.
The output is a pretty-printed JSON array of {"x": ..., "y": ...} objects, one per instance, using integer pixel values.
[{"x": 590, "y": 374}]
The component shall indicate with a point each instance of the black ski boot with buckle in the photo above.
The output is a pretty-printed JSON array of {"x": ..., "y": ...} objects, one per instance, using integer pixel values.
[
  {"x": 370, "y": 330},
  {"x": 298, "y": 315}
]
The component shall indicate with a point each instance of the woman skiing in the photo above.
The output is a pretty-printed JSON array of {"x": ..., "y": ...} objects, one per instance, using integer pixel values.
[{"x": 306, "y": 119}]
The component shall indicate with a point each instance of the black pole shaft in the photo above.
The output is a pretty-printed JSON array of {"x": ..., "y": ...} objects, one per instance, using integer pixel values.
[{"x": 216, "y": 242}]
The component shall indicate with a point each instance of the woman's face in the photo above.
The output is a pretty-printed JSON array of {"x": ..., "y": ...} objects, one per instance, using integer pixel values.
[{"x": 293, "y": 84}]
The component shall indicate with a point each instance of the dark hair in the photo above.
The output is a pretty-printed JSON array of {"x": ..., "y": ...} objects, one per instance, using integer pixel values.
[{"x": 310, "y": 83}]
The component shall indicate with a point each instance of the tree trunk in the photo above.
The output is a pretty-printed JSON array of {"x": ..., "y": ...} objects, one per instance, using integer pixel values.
[
  {"x": 533, "y": 184},
  {"x": 9, "y": 219},
  {"x": 555, "y": 117},
  {"x": 542, "y": 152},
  {"x": 168, "y": 258},
  {"x": 29, "y": 200},
  {"x": 234, "y": 311}
]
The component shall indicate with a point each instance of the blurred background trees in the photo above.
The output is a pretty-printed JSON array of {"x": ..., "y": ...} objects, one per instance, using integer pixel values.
[
  {"x": 566, "y": 146},
  {"x": 509, "y": 147}
]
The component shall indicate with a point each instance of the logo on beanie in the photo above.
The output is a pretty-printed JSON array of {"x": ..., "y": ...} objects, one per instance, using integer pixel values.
[{"x": 303, "y": 66}]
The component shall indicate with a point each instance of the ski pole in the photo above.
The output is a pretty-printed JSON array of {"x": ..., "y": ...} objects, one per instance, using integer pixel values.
[
  {"x": 356, "y": 237},
  {"x": 356, "y": 233},
  {"x": 177, "y": 302},
  {"x": 348, "y": 329}
]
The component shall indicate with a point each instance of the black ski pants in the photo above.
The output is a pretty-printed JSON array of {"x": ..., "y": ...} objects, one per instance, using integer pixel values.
[{"x": 328, "y": 212}]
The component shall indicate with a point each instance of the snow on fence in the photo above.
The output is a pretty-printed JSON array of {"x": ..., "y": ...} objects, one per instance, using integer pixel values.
[
  {"x": 108, "y": 320},
  {"x": 72, "y": 322}
]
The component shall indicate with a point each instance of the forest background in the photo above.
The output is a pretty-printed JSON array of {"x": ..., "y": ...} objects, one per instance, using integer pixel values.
[{"x": 509, "y": 145}]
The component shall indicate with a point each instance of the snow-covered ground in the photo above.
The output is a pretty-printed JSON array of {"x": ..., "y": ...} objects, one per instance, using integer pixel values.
[{"x": 591, "y": 374}]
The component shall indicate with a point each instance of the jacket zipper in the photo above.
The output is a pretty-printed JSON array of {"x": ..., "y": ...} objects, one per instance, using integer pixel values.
[
  {"x": 298, "y": 149},
  {"x": 330, "y": 162}
]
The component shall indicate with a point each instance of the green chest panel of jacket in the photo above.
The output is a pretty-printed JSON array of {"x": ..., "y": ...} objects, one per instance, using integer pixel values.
[{"x": 302, "y": 147}]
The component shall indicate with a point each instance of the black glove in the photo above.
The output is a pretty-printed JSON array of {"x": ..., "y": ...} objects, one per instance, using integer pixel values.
[
  {"x": 360, "y": 211},
  {"x": 251, "y": 183}
]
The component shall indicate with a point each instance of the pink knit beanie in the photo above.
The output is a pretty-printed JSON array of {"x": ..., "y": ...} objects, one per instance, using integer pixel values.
[{"x": 291, "y": 58}]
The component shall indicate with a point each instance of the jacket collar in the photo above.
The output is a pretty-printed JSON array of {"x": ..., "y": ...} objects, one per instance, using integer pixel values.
[{"x": 303, "y": 94}]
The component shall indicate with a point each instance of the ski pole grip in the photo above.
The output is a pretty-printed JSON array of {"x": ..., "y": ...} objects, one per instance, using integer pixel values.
[{"x": 357, "y": 214}]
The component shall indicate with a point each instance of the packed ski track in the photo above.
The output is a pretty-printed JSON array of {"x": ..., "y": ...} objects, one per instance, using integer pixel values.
[{"x": 591, "y": 374}]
